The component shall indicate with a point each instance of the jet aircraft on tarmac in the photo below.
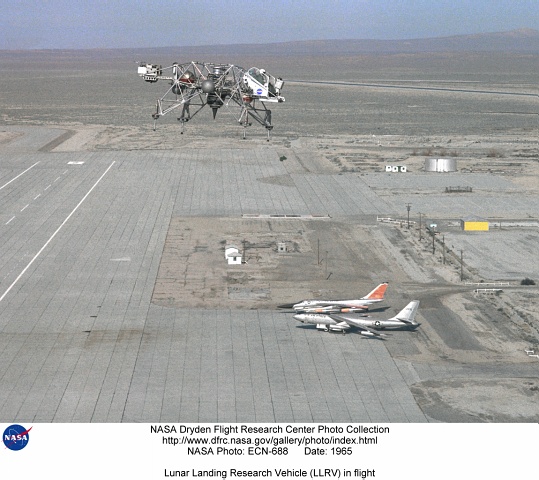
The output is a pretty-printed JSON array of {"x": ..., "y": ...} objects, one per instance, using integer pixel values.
[
  {"x": 339, "y": 306},
  {"x": 366, "y": 324}
]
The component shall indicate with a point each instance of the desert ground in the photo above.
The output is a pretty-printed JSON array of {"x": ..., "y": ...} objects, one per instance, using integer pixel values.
[{"x": 479, "y": 109}]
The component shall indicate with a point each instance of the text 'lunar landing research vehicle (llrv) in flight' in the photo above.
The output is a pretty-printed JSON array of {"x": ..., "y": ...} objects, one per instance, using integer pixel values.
[{"x": 197, "y": 84}]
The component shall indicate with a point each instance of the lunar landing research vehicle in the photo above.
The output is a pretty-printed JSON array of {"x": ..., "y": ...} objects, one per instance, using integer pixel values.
[{"x": 194, "y": 85}]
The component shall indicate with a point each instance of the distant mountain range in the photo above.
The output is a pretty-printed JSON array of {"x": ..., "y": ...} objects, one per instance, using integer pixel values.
[
  {"x": 522, "y": 41},
  {"x": 525, "y": 40}
]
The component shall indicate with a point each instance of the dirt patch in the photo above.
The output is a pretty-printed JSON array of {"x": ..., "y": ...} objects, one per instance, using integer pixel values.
[
  {"x": 6, "y": 137},
  {"x": 194, "y": 271},
  {"x": 320, "y": 257},
  {"x": 474, "y": 400}
]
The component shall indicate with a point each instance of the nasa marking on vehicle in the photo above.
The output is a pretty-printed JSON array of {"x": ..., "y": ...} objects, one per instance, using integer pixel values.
[
  {"x": 259, "y": 91},
  {"x": 16, "y": 437}
]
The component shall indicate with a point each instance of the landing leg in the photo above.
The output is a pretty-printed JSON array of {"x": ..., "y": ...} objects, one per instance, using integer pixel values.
[
  {"x": 155, "y": 116},
  {"x": 185, "y": 116},
  {"x": 267, "y": 122}
]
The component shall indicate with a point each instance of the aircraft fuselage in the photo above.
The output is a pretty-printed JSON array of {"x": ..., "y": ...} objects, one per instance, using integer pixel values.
[
  {"x": 333, "y": 306},
  {"x": 332, "y": 324}
]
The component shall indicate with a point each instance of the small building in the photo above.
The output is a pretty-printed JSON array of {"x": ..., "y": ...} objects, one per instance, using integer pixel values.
[
  {"x": 233, "y": 255},
  {"x": 474, "y": 224},
  {"x": 396, "y": 168}
]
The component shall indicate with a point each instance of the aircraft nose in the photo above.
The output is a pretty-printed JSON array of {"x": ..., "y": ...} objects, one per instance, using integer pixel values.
[
  {"x": 299, "y": 318},
  {"x": 286, "y": 305}
]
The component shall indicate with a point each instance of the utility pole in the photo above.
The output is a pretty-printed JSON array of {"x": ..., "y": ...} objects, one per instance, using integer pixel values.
[
  {"x": 443, "y": 248},
  {"x": 408, "y": 206},
  {"x": 433, "y": 235},
  {"x": 326, "y": 264}
]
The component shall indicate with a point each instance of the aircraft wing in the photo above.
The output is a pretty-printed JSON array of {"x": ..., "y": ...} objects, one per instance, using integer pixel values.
[{"x": 364, "y": 330}]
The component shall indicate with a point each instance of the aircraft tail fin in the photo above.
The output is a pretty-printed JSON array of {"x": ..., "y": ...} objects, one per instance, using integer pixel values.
[
  {"x": 407, "y": 314},
  {"x": 377, "y": 293}
]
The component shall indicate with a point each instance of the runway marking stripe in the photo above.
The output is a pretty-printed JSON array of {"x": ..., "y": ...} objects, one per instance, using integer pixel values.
[
  {"x": 56, "y": 232},
  {"x": 9, "y": 221},
  {"x": 13, "y": 179},
  {"x": 25, "y": 207},
  {"x": 37, "y": 196}
]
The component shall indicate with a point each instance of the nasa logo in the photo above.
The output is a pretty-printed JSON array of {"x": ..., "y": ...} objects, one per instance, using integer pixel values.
[
  {"x": 259, "y": 91},
  {"x": 16, "y": 437}
]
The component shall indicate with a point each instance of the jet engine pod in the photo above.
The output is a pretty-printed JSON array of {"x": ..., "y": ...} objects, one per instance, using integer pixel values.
[{"x": 208, "y": 86}]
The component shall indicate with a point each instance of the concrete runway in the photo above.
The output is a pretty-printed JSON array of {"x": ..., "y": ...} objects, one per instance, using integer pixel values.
[{"x": 81, "y": 238}]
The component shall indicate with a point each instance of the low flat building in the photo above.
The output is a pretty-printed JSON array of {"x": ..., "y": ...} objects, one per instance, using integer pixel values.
[{"x": 474, "y": 224}]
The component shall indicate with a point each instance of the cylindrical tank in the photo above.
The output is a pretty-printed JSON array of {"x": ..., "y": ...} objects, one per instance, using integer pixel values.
[{"x": 440, "y": 165}]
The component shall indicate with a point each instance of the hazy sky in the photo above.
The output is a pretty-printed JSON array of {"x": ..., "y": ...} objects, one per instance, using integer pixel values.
[{"x": 145, "y": 23}]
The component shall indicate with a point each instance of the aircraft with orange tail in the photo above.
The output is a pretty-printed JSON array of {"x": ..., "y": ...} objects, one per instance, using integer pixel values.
[{"x": 339, "y": 306}]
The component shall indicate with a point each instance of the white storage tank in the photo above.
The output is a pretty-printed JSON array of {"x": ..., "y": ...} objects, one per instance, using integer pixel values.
[{"x": 440, "y": 165}]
